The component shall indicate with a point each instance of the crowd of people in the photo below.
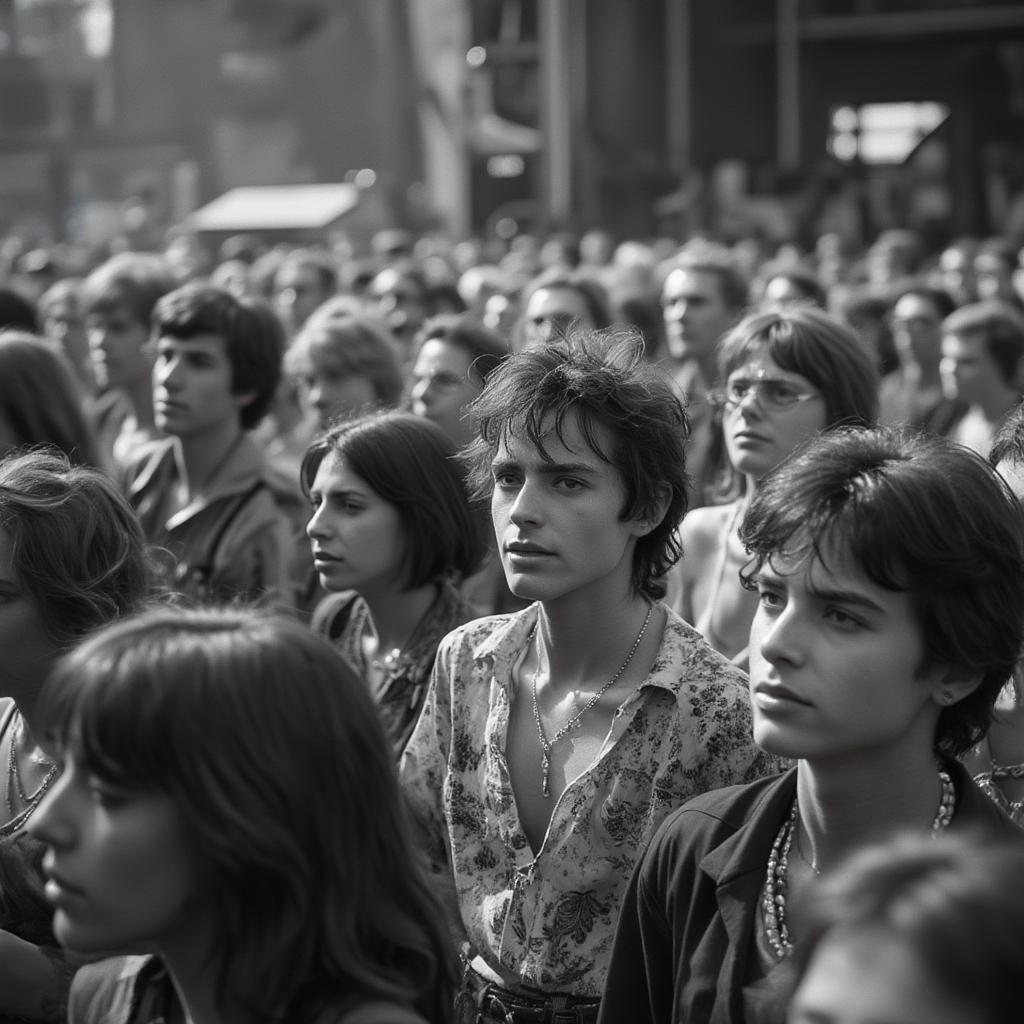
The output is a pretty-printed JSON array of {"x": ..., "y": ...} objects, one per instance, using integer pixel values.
[{"x": 543, "y": 632}]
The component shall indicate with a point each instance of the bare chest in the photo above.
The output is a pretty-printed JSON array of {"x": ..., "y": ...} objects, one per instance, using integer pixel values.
[{"x": 543, "y": 761}]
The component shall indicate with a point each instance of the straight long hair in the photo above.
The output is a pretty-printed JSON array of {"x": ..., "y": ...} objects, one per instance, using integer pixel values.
[{"x": 288, "y": 796}]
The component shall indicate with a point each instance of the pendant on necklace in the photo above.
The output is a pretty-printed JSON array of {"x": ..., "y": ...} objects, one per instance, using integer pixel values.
[{"x": 545, "y": 768}]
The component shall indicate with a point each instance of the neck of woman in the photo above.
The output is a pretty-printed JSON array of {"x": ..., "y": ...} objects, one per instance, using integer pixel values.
[
  {"x": 395, "y": 614},
  {"x": 843, "y": 806}
]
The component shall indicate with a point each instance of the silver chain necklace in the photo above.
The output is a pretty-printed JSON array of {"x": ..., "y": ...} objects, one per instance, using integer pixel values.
[{"x": 546, "y": 744}]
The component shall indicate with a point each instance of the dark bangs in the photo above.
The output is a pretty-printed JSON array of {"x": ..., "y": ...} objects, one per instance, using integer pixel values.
[
  {"x": 110, "y": 708},
  {"x": 848, "y": 527},
  {"x": 805, "y": 340}
]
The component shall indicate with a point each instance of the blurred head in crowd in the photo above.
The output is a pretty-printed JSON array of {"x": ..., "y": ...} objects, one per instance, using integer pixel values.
[
  {"x": 454, "y": 356},
  {"x": 62, "y": 319},
  {"x": 703, "y": 295},
  {"x": 344, "y": 365},
  {"x": 119, "y": 299},
  {"x": 305, "y": 279},
  {"x": 40, "y": 400},
  {"x": 557, "y": 298}
]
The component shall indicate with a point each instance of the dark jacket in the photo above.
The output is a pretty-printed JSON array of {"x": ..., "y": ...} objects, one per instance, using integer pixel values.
[{"x": 684, "y": 947}]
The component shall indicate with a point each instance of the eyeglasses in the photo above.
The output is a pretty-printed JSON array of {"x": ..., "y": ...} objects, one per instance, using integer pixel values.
[{"x": 772, "y": 393}]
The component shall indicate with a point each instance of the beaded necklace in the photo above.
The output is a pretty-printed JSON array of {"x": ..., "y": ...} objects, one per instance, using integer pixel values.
[{"x": 773, "y": 902}]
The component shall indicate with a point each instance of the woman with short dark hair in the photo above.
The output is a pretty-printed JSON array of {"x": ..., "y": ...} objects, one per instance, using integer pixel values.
[{"x": 392, "y": 534}]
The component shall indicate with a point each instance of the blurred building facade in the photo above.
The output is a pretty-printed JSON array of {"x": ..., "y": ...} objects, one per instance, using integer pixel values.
[{"x": 642, "y": 117}]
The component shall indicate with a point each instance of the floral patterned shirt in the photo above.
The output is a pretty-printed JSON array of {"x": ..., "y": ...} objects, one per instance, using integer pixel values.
[{"x": 547, "y": 922}]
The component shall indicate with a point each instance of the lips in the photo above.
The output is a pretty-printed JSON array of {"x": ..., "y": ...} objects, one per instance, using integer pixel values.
[
  {"x": 323, "y": 556},
  {"x": 525, "y": 548},
  {"x": 775, "y": 692},
  {"x": 57, "y": 886},
  {"x": 167, "y": 404}
]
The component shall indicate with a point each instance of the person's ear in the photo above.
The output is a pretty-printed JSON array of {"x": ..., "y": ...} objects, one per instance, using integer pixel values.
[
  {"x": 953, "y": 686},
  {"x": 651, "y": 517},
  {"x": 243, "y": 399}
]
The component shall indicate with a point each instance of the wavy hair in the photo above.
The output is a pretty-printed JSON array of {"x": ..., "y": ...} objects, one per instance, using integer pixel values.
[
  {"x": 602, "y": 379},
  {"x": 287, "y": 794},
  {"x": 77, "y": 547}
]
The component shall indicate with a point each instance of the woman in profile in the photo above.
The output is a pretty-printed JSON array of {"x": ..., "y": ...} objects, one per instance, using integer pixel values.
[
  {"x": 392, "y": 534},
  {"x": 72, "y": 558},
  {"x": 262, "y": 864}
]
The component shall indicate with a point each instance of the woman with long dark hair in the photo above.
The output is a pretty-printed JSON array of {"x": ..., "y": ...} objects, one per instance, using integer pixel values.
[{"x": 261, "y": 863}]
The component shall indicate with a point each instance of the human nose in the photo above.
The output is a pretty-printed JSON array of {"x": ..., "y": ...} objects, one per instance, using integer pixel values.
[
  {"x": 316, "y": 526},
  {"x": 777, "y": 638},
  {"x": 525, "y": 506},
  {"x": 165, "y": 372},
  {"x": 421, "y": 390},
  {"x": 52, "y": 823}
]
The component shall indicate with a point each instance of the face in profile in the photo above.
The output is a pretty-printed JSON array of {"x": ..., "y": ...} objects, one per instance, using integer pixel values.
[
  {"x": 121, "y": 872},
  {"x": 869, "y": 976},
  {"x": 357, "y": 538}
]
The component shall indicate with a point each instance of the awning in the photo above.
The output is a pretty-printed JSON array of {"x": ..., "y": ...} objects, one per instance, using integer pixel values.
[{"x": 276, "y": 208}]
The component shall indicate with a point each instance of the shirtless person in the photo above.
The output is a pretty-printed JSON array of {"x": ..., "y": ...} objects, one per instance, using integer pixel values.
[{"x": 554, "y": 739}]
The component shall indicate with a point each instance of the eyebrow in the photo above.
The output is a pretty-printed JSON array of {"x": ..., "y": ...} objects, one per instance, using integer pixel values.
[
  {"x": 834, "y": 594},
  {"x": 546, "y": 468},
  {"x": 839, "y": 596}
]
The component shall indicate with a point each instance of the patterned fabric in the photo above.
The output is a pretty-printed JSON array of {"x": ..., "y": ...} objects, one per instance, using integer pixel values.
[
  {"x": 24, "y": 909},
  {"x": 547, "y": 921},
  {"x": 400, "y": 697}
]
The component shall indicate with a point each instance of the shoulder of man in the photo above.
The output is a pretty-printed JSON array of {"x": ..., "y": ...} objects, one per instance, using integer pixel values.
[{"x": 704, "y": 821}]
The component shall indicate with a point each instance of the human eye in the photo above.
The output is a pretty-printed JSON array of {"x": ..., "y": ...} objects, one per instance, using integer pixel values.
[
  {"x": 781, "y": 392},
  {"x": 738, "y": 388},
  {"x": 570, "y": 484},
  {"x": 505, "y": 477},
  {"x": 842, "y": 620},
  {"x": 106, "y": 794},
  {"x": 769, "y": 595}
]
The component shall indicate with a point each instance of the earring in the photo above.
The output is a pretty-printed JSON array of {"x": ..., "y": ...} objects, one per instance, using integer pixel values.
[{"x": 946, "y": 697}]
